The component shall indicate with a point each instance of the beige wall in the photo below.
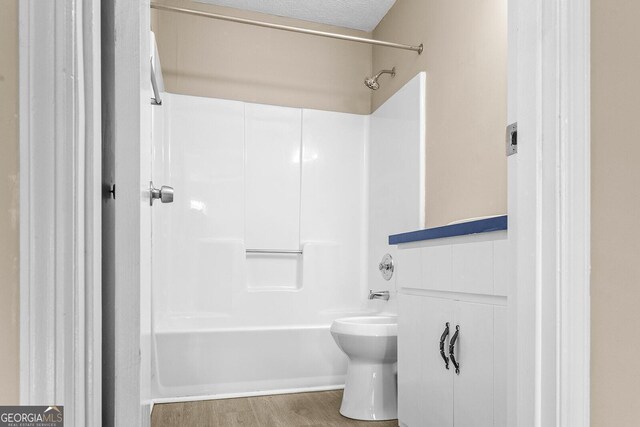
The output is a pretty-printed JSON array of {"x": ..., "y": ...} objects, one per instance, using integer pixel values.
[
  {"x": 465, "y": 57},
  {"x": 9, "y": 288},
  {"x": 220, "y": 59},
  {"x": 615, "y": 210}
]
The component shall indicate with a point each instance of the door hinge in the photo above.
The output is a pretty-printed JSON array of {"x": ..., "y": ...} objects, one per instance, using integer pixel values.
[{"x": 512, "y": 138}]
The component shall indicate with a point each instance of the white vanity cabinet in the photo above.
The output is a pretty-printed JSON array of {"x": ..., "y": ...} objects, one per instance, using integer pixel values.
[{"x": 429, "y": 394}]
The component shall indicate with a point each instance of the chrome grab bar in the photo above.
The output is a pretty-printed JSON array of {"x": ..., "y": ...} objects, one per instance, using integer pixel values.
[{"x": 274, "y": 251}]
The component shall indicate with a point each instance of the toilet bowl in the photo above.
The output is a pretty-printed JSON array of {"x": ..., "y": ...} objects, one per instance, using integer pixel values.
[{"x": 371, "y": 344}]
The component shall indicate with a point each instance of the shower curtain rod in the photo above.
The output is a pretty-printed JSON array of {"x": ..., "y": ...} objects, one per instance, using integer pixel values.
[{"x": 287, "y": 28}]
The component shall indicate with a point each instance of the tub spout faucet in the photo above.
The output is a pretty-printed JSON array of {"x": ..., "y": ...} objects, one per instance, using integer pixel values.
[{"x": 379, "y": 295}]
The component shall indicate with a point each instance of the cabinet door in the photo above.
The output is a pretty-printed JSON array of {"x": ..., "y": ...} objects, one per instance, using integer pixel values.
[
  {"x": 425, "y": 386},
  {"x": 474, "y": 385},
  {"x": 409, "y": 356}
]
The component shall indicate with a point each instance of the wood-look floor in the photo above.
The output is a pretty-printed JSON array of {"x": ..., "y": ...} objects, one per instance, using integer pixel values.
[{"x": 319, "y": 409}]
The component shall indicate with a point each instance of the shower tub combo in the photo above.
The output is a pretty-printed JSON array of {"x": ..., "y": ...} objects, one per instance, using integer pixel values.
[
  {"x": 280, "y": 217},
  {"x": 261, "y": 250}
]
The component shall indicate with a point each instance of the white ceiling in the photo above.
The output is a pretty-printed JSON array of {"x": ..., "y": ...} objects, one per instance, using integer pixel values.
[{"x": 356, "y": 14}]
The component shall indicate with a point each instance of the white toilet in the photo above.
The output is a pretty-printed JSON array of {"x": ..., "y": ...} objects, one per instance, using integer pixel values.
[{"x": 371, "y": 343}]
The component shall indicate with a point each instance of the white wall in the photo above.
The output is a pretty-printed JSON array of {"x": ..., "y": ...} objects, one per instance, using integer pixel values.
[{"x": 396, "y": 178}]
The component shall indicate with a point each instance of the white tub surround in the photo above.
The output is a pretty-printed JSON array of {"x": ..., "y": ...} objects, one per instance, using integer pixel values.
[
  {"x": 396, "y": 179},
  {"x": 453, "y": 301},
  {"x": 265, "y": 198}
]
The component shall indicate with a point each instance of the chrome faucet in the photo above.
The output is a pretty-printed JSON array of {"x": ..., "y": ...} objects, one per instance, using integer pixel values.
[{"x": 379, "y": 295}]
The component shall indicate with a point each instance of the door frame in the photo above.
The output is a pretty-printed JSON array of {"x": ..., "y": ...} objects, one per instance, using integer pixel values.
[
  {"x": 60, "y": 198},
  {"x": 549, "y": 207},
  {"x": 549, "y": 213}
]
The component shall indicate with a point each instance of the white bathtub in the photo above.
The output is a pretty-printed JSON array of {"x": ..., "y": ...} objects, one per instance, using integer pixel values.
[
  {"x": 242, "y": 362},
  {"x": 194, "y": 360}
]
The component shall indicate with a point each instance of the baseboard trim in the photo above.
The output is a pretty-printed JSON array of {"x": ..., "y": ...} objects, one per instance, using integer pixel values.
[{"x": 245, "y": 394}]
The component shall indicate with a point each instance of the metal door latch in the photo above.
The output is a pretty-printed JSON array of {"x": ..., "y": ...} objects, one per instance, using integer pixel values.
[{"x": 512, "y": 138}]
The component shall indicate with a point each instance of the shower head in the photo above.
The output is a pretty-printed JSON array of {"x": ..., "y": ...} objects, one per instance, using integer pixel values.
[{"x": 372, "y": 82}]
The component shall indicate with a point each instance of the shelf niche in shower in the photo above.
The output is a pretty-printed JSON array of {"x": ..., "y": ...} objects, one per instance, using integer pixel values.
[{"x": 273, "y": 272}]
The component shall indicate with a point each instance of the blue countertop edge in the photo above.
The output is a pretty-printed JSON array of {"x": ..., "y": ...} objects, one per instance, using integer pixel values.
[{"x": 486, "y": 225}]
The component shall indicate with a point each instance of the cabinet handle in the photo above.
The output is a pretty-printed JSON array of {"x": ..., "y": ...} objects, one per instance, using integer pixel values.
[
  {"x": 452, "y": 349},
  {"x": 443, "y": 337}
]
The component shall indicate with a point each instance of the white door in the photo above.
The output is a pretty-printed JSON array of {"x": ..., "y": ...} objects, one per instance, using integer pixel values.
[
  {"x": 126, "y": 213},
  {"x": 473, "y": 385},
  {"x": 425, "y": 384}
]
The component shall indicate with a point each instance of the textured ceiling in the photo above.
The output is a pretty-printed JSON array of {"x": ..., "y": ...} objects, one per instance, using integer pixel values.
[{"x": 357, "y": 14}]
